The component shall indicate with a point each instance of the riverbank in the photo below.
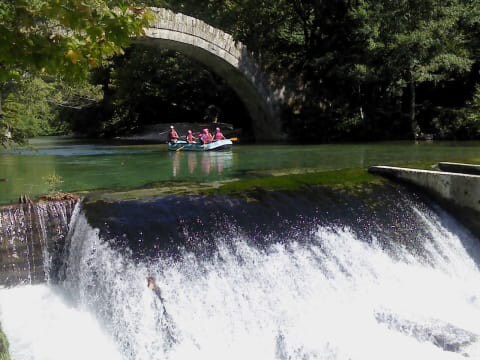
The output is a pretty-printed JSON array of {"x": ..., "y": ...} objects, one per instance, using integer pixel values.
[{"x": 4, "y": 346}]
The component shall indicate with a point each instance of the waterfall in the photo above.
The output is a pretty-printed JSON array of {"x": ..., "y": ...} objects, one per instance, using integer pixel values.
[
  {"x": 31, "y": 239},
  {"x": 323, "y": 291}
]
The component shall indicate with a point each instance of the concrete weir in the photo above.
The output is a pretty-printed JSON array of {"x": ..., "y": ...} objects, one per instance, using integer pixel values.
[
  {"x": 458, "y": 191},
  {"x": 459, "y": 168}
]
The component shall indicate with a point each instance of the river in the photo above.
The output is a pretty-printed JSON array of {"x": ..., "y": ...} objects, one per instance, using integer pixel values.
[
  {"x": 86, "y": 166},
  {"x": 319, "y": 273}
]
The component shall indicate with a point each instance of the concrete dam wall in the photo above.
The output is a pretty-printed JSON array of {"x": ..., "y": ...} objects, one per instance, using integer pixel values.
[{"x": 457, "y": 188}]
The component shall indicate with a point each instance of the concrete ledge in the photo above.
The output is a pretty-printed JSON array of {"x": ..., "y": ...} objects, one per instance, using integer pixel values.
[
  {"x": 462, "y": 190},
  {"x": 459, "y": 168}
]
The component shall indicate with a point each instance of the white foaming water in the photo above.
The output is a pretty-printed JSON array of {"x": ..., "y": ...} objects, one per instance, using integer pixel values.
[
  {"x": 41, "y": 325},
  {"x": 333, "y": 297}
]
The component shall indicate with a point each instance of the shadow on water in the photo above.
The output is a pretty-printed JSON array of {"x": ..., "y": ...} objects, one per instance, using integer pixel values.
[{"x": 169, "y": 226}]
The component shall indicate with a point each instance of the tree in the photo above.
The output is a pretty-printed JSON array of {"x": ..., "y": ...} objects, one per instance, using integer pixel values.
[
  {"x": 150, "y": 85},
  {"x": 63, "y": 37},
  {"x": 414, "y": 42},
  {"x": 34, "y": 103}
]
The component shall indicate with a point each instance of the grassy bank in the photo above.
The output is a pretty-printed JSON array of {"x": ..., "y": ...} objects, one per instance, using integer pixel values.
[{"x": 4, "y": 353}]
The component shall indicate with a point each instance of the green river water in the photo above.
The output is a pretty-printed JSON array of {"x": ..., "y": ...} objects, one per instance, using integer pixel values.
[{"x": 88, "y": 166}]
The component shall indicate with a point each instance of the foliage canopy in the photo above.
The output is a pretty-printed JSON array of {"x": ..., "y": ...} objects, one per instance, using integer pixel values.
[
  {"x": 359, "y": 70},
  {"x": 67, "y": 38}
]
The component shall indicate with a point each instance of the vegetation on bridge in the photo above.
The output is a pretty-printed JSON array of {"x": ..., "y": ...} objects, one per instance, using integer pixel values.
[{"x": 360, "y": 70}]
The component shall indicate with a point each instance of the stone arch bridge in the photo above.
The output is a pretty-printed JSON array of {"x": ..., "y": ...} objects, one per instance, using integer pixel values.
[{"x": 230, "y": 60}]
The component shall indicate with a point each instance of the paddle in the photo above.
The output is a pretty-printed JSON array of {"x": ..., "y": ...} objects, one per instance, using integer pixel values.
[
  {"x": 180, "y": 148},
  {"x": 233, "y": 139}
]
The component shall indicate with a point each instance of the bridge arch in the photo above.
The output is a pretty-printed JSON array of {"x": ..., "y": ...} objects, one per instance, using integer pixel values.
[{"x": 230, "y": 60}]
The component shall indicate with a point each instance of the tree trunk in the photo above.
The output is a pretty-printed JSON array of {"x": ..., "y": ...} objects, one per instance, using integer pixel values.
[
  {"x": 413, "y": 121},
  {"x": 5, "y": 131}
]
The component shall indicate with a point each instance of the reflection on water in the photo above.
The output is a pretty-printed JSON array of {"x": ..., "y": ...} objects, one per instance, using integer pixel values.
[
  {"x": 200, "y": 163},
  {"x": 85, "y": 166}
]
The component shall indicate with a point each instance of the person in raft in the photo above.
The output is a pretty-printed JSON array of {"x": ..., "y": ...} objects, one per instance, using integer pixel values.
[
  {"x": 218, "y": 135},
  {"x": 172, "y": 136},
  {"x": 190, "y": 138},
  {"x": 210, "y": 135},
  {"x": 205, "y": 137}
]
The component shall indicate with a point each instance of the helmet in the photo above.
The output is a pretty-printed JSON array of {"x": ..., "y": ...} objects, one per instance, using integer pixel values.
[
  {"x": 217, "y": 129},
  {"x": 189, "y": 131},
  {"x": 171, "y": 126},
  {"x": 205, "y": 130}
]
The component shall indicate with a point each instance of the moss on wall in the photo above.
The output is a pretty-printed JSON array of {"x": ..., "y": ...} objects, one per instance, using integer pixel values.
[
  {"x": 345, "y": 178},
  {"x": 338, "y": 179}
]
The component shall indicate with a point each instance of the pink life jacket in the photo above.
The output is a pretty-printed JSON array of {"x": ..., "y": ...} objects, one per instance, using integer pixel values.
[{"x": 172, "y": 135}]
